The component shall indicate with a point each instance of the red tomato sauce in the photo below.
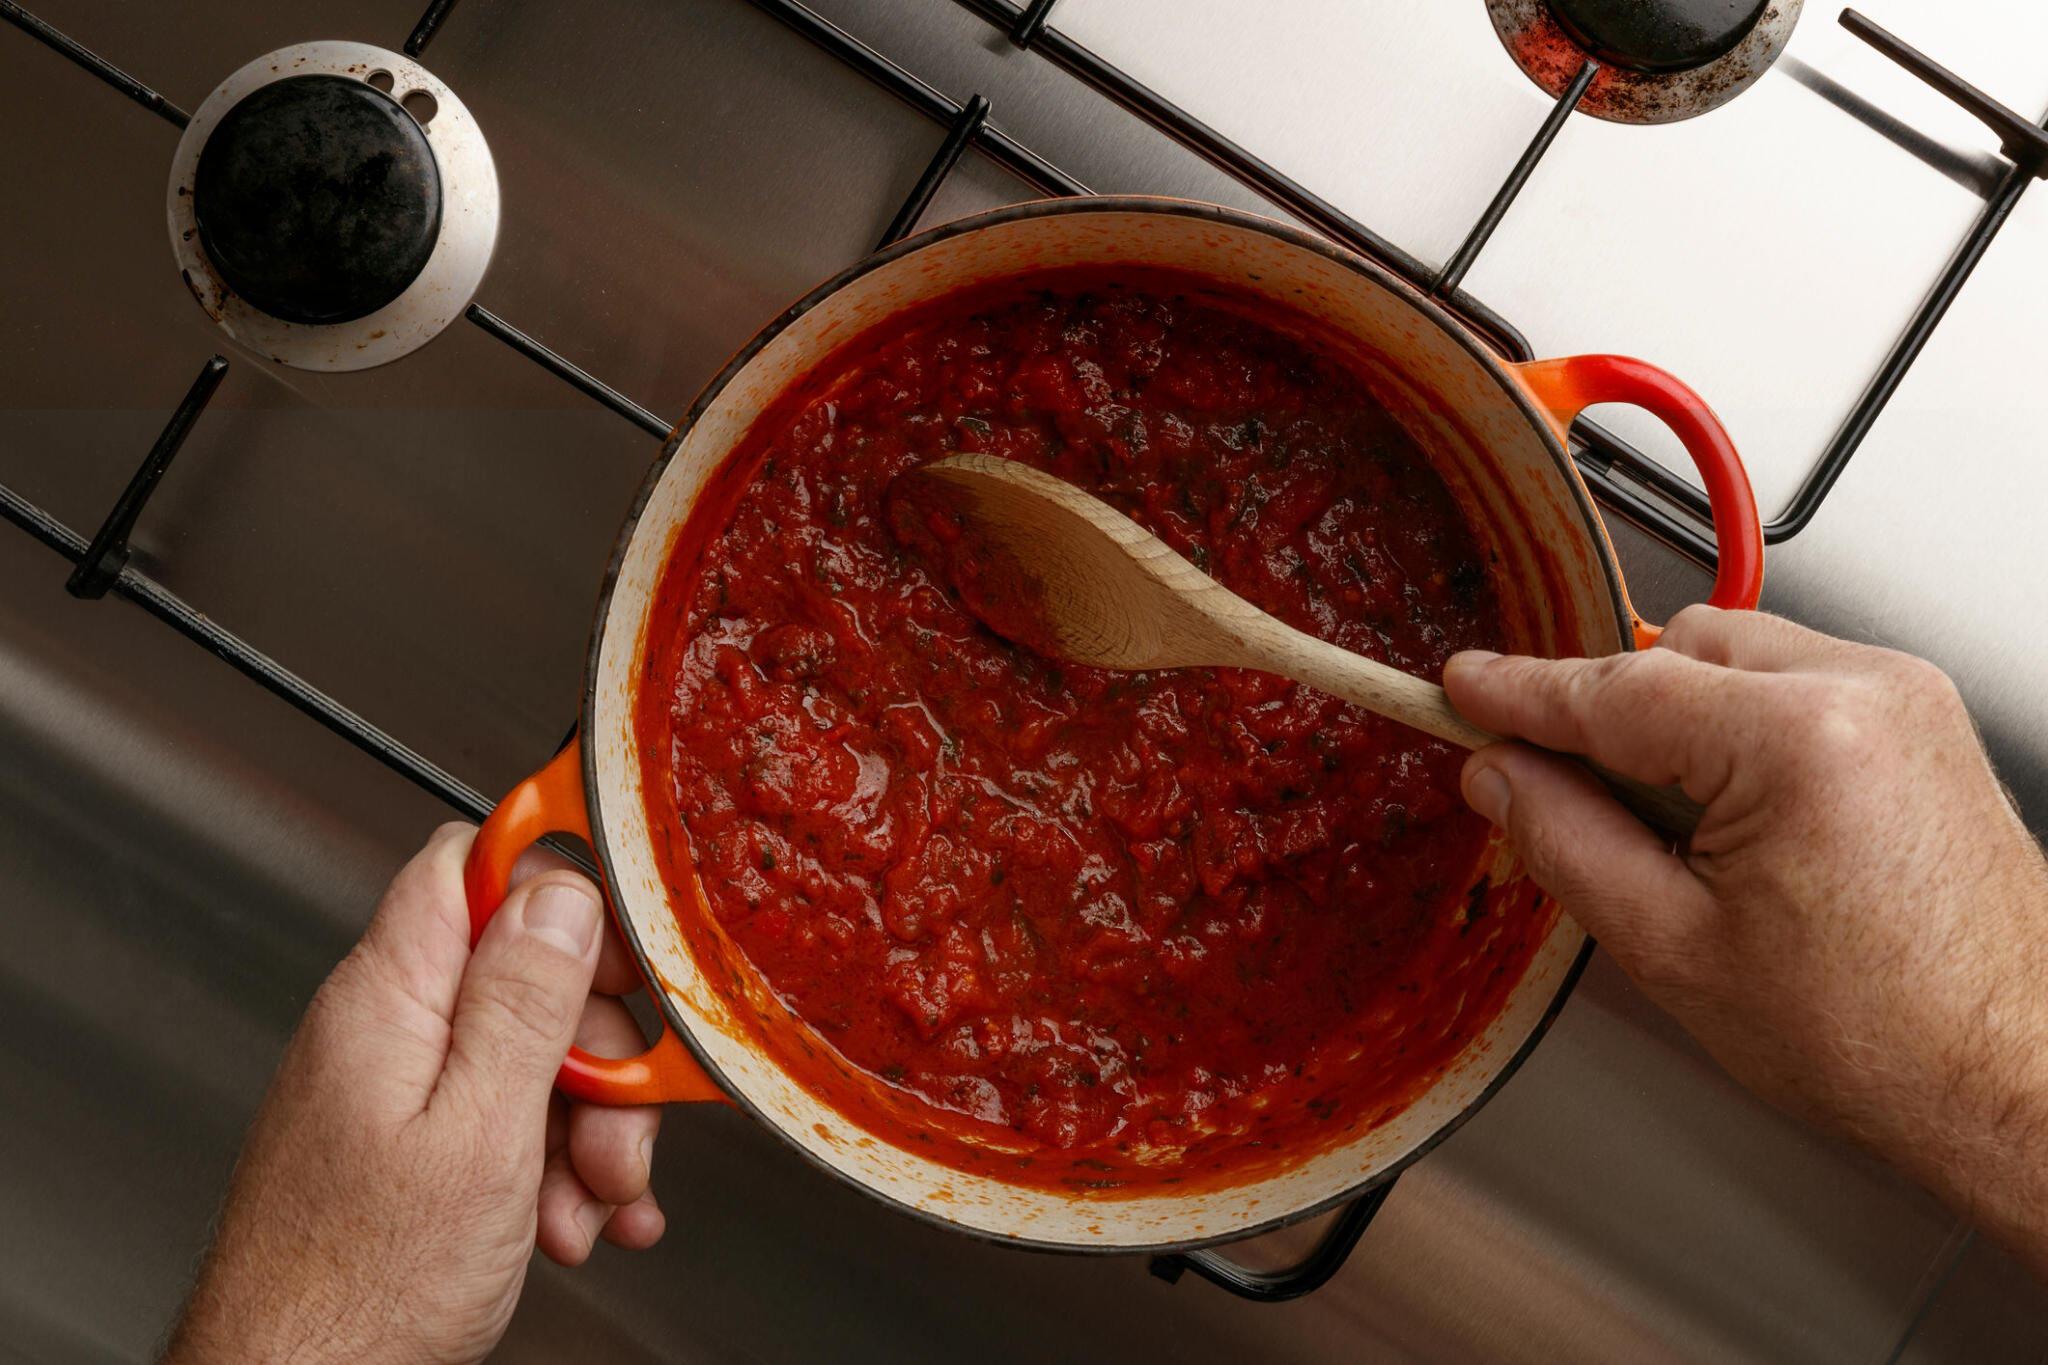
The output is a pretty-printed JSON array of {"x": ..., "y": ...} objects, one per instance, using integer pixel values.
[{"x": 1120, "y": 928}]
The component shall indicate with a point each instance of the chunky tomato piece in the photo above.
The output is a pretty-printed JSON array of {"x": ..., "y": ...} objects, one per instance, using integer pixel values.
[{"x": 1105, "y": 913}]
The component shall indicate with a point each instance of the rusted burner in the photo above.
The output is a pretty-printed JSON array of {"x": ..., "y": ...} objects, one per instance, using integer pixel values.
[{"x": 1660, "y": 60}]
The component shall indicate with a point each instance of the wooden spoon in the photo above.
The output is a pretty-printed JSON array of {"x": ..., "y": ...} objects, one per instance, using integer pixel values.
[{"x": 1067, "y": 575}]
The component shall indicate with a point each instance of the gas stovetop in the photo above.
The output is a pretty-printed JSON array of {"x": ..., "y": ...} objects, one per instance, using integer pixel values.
[{"x": 406, "y": 553}]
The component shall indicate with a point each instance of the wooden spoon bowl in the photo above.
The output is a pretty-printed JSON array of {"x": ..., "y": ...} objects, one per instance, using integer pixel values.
[{"x": 1064, "y": 573}]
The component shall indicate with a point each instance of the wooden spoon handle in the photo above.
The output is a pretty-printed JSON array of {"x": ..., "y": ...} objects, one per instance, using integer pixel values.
[
  {"x": 1665, "y": 808},
  {"x": 1387, "y": 691}
]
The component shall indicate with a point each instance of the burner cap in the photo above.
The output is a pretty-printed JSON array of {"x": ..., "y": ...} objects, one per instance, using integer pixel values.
[
  {"x": 1658, "y": 35},
  {"x": 318, "y": 199},
  {"x": 318, "y": 220}
]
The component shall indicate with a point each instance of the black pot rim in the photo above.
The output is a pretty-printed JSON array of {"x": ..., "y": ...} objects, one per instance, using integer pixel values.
[{"x": 1041, "y": 208}]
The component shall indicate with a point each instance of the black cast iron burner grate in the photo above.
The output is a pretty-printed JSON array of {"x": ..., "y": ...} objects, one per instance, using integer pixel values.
[{"x": 1624, "y": 478}]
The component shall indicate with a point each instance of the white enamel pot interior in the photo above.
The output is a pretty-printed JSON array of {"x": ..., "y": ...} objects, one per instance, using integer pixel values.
[{"x": 1500, "y": 454}]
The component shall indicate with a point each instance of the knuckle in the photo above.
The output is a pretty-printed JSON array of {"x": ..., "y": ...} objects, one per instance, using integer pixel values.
[
  {"x": 339, "y": 1000},
  {"x": 1588, "y": 686},
  {"x": 1544, "y": 851},
  {"x": 1637, "y": 666},
  {"x": 1834, "y": 723},
  {"x": 528, "y": 1004},
  {"x": 323, "y": 1028},
  {"x": 1632, "y": 687},
  {"x": 1566, "y": 701},
  {"x": 1685, "y": 631},
  {"x": 341, "y": 1028},
  {"x": 1924, "y": 680}
]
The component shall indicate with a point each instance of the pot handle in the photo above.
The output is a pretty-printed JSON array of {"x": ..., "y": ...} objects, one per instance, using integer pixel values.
[
  {"x": 551, "y": 802},
  {"x": 1568, "y": 386}
]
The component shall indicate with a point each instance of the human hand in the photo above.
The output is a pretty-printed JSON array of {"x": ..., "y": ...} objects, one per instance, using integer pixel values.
[
  {"x": 411, "y": 1151},
  {"x": 1858, "y": 930}
]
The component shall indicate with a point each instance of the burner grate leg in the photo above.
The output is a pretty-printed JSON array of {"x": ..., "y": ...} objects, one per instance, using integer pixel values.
[
  {"x": 569, "y": 372},
  {"x": 99, "y": 66},
  {"x": 108, "y": 554},
  {"x": 1306, "y": 1276},
  {"x": 430, "y": 23},
  {"x": 966, "y": 128}
]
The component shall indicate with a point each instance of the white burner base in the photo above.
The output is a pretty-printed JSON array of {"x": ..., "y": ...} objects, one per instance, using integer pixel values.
[{"x": 448, "y": 281}]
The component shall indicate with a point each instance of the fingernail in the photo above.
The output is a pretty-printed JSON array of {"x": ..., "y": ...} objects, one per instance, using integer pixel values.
[
  {"x": 1470, "y": 658},
  {"x": 647, "y": 1157},
  {"x": 563, "y": 914},
  {"x": 1487, "y": 792}
]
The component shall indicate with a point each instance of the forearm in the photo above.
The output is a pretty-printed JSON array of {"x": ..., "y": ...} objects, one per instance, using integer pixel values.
[
  {"x": 283, "y": 1298},
  {"x": 2007, "y": 1191},
  {"x": 1986, "y": 1155},
  {"x": 1969, "y": 1114}
]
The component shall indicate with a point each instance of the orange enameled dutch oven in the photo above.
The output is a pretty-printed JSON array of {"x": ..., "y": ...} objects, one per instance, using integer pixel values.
[{"x": 1497, "y": 434}]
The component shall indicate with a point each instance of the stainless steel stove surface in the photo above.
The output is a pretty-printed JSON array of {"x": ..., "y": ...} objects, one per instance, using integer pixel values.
[{"x": 182, "y": 855}]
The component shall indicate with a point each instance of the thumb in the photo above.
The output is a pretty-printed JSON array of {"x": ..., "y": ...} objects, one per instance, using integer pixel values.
[
  {"x": 1619, "y": 879},
  {"x": 521, "y": 997}
]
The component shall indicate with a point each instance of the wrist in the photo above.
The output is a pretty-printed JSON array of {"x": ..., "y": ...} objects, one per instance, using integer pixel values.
[
  {"x": 1986, "y": 1153},
  {"x": 236, "y": 1316}
]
